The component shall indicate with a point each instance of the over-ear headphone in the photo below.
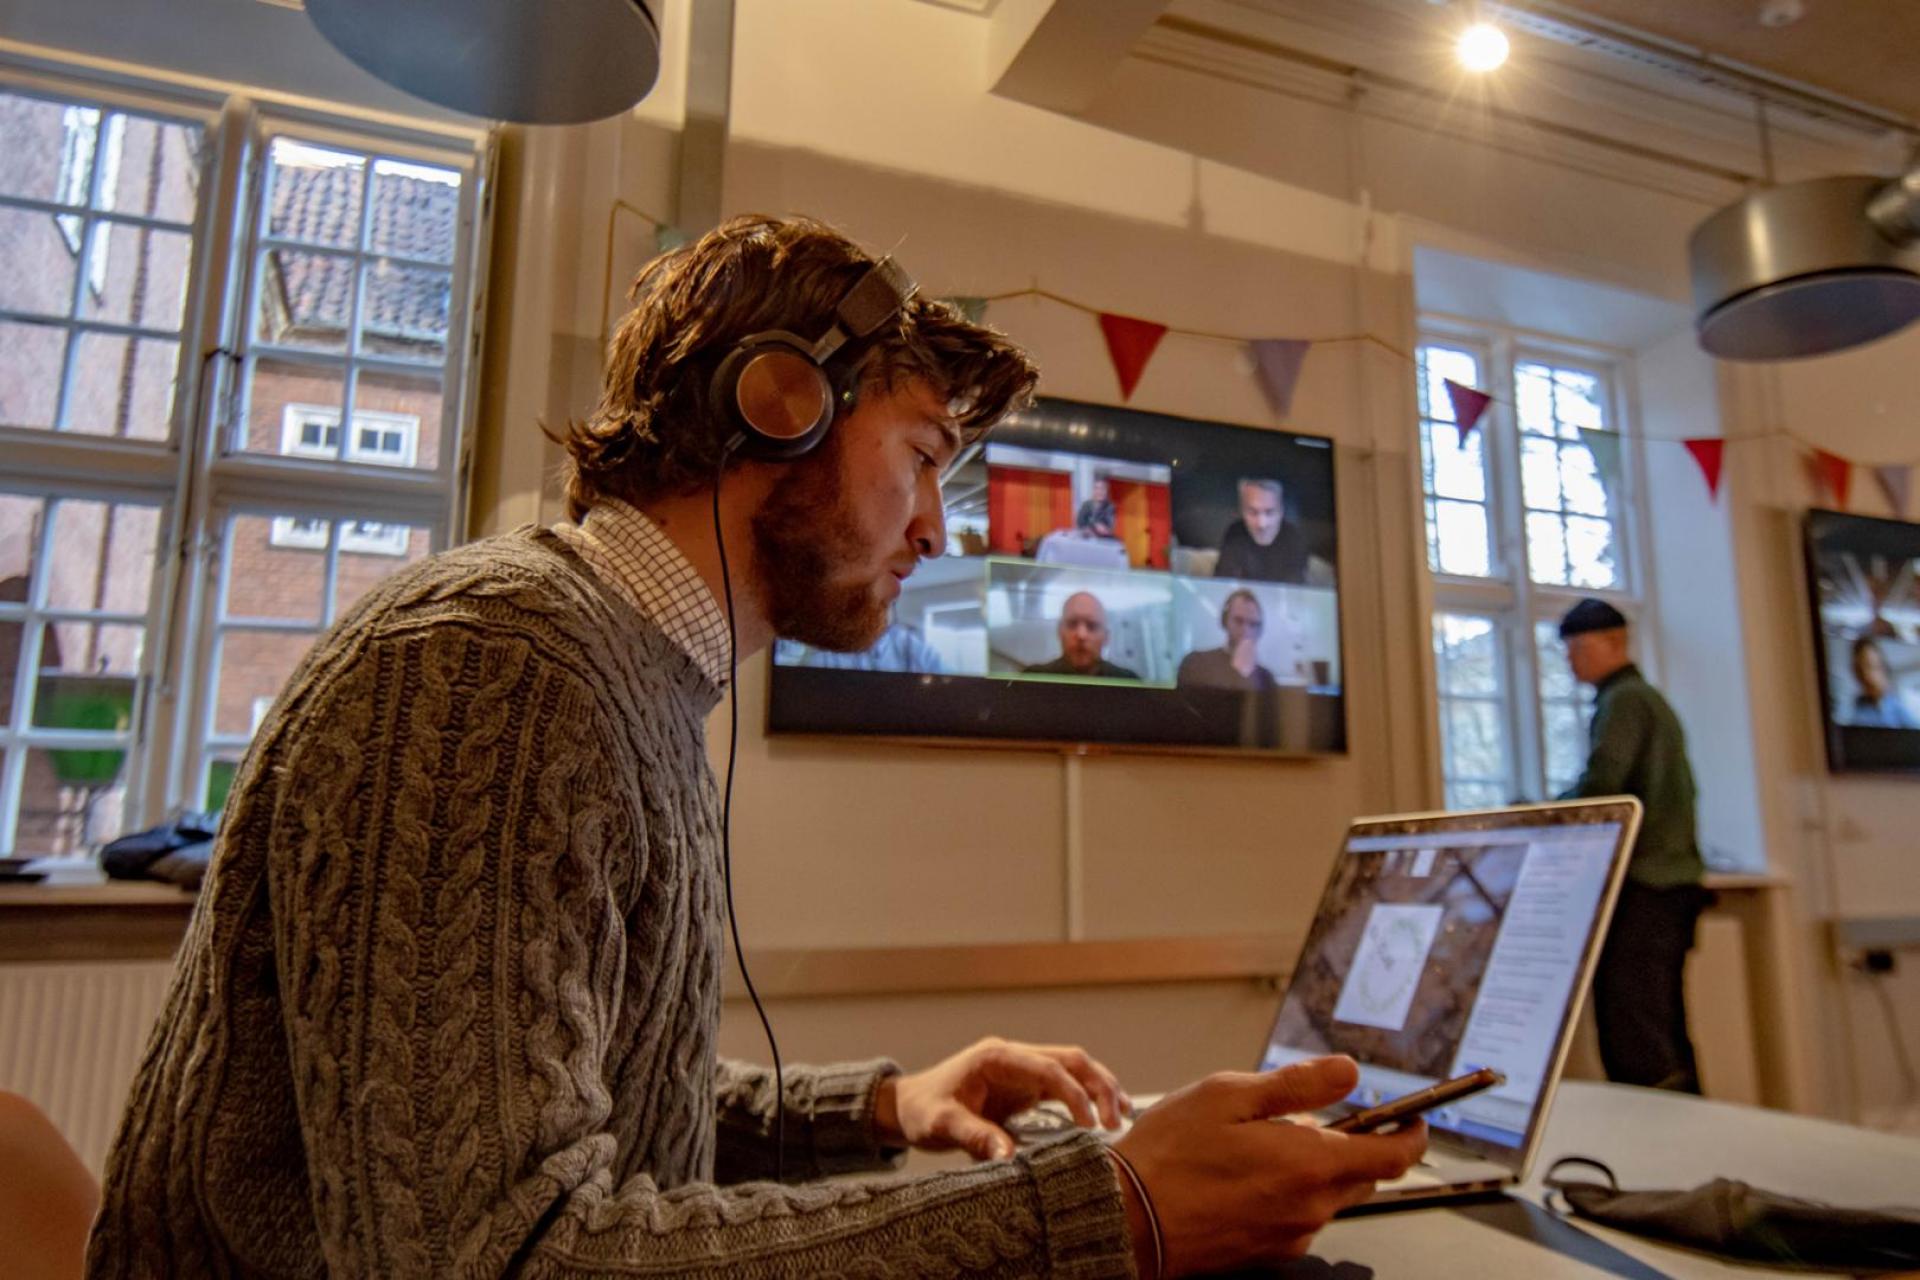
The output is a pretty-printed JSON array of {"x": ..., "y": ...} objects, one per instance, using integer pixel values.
[{"x": 782, "y": 392}]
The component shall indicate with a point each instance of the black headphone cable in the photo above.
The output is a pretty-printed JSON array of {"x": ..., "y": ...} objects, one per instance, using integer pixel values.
[{"x": 726, "y": 827}]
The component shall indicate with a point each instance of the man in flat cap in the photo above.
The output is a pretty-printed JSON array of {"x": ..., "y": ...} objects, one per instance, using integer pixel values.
[{"x": 1637, "y": 748}]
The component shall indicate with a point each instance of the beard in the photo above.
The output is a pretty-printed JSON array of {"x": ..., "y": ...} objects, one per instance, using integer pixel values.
[{"x": 808, "y": 547}]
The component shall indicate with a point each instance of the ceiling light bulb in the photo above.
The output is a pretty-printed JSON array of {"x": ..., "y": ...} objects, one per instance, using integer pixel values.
[{"x": 1481, "y": 47}]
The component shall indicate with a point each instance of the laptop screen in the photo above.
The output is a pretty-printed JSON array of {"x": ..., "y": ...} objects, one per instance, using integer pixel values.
[{"x": 1444, "y": 945}]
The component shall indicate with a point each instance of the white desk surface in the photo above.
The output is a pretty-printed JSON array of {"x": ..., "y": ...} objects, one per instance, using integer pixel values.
[{"x": 1650, "y": 1140}]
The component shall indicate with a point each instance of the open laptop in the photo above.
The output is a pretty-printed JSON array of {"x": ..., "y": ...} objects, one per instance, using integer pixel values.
[{"x": 1446, "y": 942}]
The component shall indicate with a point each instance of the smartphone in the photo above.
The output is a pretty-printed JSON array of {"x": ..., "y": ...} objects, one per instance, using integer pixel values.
[{"x": 1410, "y": 1105}]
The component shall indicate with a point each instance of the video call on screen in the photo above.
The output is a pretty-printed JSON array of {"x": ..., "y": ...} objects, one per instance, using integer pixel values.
[
  {"x": 1865, "y": 578},
  {"x": 1111, "y": 576}
]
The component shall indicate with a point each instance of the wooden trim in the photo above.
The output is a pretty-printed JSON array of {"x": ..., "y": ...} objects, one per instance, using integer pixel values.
[
  {"x": 800, "y": 973},
  {"x": 116, "y": 921}
]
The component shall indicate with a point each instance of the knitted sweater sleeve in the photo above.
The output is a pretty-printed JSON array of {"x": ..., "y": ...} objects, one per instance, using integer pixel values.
[
  {"x": 447, "y": 942},
  {"x": 829, "y": 1121}
]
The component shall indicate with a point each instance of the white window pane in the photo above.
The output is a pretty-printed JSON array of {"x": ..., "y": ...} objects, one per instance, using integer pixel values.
[
  {"x": 1475, "y": 742},
  {"x": 38, "y": 276},
  {"x": 1442, "y": 364},
  {"x": 1475, "y": 795},
  {"x": 306, "y": 300},
  {"x": 138, "y": 276},
  {"x": 1565, "y": 732},
  {"x": 1467, "y": 654},
  {"x": 403, "y": 313},
  {"x": 30, "y": 363},
  {"x": 1590, "y": 552},
  {"x": 276, "y": 568},
  {"x": 1546, "y": 548},
  {"x": 1580, "y": 481},
  {"x": 58, "y": 147},
  {"x": 314, "y": 194},
  {"x": 1463, "y": 538},
  {"x": 1533, "y": 398},
  {"x": 70, "y": 800},
  {"x": 122, "y": 386},
  {"x": 1539, "y": 473},
  {"x": 415, "y": 210},
  {"x": 102, "y": 556},
  {"x": 253, "y": 665},
  {"x": 1457, "y": 472},
  {"x": 1576, "y": 400},
  {"x": 86, "y": 677},
  {"x": 1556, "y": 677},
  {"x": 1433, "y": 538},
  {"x": 407, "y": 404}
]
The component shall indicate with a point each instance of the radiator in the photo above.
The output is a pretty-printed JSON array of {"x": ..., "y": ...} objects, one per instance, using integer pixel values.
[{"x": 71, "y": 1036}]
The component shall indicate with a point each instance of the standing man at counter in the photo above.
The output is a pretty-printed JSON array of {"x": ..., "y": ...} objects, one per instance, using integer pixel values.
[
  {"x": 1637, "y": 748},
  {"x": 450, "y": 1001}
]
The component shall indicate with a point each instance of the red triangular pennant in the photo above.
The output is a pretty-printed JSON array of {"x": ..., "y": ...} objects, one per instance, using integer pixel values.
[
  {"x": 1279, "y": 361},
  {"x": 1130, "y": 342},
  {"x": 1707, "y": 453},
  {"x": 1833, "y": 474},
  {"x": 1468, "y": 406},
  {"x": 1897, "y": 484}
]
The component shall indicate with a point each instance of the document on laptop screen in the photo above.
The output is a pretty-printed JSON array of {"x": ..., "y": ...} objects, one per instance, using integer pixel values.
[{"x": 1435, "y": 953}]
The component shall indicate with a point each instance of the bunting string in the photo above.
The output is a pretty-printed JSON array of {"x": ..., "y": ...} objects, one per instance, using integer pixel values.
[{"x": 1132, "y": 341}]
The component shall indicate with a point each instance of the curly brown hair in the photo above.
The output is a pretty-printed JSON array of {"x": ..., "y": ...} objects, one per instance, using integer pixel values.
[{"x": 656, "y": 430}]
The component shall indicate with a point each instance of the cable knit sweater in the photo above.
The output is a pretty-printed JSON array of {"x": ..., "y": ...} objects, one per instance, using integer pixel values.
[{"x": 448, "y": 1003}]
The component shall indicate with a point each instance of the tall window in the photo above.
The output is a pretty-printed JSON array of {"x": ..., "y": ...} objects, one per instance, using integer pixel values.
[
  {"x": 1532, "y": 512},
  {"x": 191, "y": 489}
]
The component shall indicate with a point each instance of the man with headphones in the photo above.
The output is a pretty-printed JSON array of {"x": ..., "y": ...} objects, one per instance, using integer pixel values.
[
  {"x": 450, "y": 998},
  {"x": 1236, "y": 664}
]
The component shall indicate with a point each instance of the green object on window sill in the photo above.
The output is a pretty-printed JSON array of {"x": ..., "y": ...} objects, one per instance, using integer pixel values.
[{"x": 101, "y": 703}]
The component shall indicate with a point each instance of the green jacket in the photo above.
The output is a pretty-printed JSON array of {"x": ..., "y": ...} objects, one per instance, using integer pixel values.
[{"x": 1637, "y": 748}]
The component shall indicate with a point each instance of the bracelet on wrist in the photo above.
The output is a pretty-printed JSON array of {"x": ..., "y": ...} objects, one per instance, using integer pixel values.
[{"x": 1146, "y": 1205}]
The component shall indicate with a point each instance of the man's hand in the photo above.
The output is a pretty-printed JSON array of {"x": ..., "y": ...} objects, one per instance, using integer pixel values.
[
  {"x": 1234, "y": 1189},
  {"x": 960, "y": 1102},
  {"x": 1246, "y": 656}
]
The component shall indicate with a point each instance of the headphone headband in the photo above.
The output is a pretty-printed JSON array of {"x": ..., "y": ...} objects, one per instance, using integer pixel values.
[{"x": 783, "y": 392}]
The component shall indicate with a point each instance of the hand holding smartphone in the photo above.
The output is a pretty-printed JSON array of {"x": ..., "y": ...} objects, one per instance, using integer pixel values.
[{"x": 1410, "y": 1105}]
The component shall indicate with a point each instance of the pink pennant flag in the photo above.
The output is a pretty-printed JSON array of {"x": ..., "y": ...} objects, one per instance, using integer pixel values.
[
  {"x": 1897, "y": 483},
  {"x": 1130, "y": 341},
  {"x": 1278, "y": 361},
  {"x": 1708, "y": 452},
  {"x": 1468, "y": 407},
  {"x": 1833, "y": 474}
]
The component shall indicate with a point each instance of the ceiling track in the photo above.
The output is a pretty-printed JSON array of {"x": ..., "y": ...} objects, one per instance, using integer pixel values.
[
  {"x": 1362, "y": 76},
  {"x": 1548, "y": 21}
]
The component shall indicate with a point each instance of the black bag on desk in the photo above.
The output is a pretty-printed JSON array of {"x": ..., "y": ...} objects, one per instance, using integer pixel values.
[
  {"x": 176, "y": 851},
  {"x": 1735, "y": 1220}
]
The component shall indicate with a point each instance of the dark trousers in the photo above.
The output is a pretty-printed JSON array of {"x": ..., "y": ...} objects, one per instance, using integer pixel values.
[{"x": 1638, "y": 997}]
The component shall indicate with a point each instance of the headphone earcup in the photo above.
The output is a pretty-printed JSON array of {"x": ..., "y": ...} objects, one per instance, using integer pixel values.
[{"x": 779, "y": 403}]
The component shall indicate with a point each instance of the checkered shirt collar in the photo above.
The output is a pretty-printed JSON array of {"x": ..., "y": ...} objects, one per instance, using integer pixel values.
[{"x": 631, "y": 554}]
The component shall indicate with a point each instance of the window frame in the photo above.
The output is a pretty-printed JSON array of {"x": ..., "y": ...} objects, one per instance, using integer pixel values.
[
  {"x": 197, "y": 483},
  {"x": 1508, "y": 595}
]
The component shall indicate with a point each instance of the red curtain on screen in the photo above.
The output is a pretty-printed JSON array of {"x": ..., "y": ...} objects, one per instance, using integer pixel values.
[
  {"x": 1145, "y": 521},
  {"x": 1024, "y": 506}
]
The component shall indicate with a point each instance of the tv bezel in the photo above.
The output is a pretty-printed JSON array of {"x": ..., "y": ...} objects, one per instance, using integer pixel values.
[
  {"x": 1852, "y": 748},
  {"x": 1340, "y": 748}
]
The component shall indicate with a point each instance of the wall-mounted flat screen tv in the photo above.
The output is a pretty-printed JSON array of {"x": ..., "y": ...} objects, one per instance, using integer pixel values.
[
  {"x": 1864, "y": 576},
  {"x": 1112, "y": 577}
]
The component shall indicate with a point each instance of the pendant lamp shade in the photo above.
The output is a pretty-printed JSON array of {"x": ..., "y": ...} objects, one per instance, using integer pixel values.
[
  {"x": 1807, "y": 268},
  {"x": 550, "y": 62}
]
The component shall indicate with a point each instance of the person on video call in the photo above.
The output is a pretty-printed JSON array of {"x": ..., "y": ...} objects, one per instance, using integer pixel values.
[
  {"x": 450, "y": 1000},
  {"x": 1083, "y": 642},
  {"x": 1876, "y": 706},
  {"x": 1637, "y": 748},
  {"x": 1097, "y": 516},
  {"x": 1234, "y": 665},
  {"x": 1263, "y": 545},
  {"x": 900, "y": 648}
]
